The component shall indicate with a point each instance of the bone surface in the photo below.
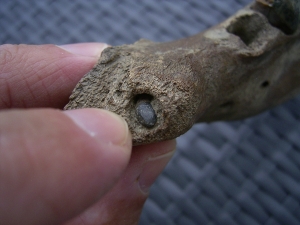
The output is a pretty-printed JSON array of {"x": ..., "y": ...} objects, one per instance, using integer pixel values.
[{"x": 239, "y": 68}]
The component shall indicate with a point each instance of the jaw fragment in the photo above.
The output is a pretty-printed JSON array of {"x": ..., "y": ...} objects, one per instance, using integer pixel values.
[{"x": 239, "y": 68}]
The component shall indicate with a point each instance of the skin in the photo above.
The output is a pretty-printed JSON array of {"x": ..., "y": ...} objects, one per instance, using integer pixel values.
[{"x": 75, "y": 167}]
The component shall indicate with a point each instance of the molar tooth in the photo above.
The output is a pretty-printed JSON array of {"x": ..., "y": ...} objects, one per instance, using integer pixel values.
[
  {"x": 283, "y": 14},
  {"x": 145, "y": 113}
]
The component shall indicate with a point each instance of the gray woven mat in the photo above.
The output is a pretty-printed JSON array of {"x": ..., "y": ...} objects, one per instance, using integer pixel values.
[{"x": 244, "y": 172}]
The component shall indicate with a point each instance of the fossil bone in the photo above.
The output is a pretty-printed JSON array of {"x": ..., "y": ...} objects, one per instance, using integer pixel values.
[{"x": 234, "y": 70}]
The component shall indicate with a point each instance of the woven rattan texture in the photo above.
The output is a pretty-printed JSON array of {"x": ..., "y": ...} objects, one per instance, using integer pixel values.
[
  {"x": 112, "y": 21},
  {"x": 240, "y": 173},
  {"x": 227, "y": 173}
]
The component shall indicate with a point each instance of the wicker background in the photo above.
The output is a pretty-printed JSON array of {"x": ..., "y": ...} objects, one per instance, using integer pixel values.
[{"x": 243, "y": 172}]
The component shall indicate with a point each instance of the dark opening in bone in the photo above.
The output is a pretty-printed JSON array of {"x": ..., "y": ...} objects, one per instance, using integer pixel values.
[
  {"x": 246, "y": 28},
  {"x": 143, "y": 97},
  {"x": 265, "y": 84},
  {"x": 227, "y": 104}
]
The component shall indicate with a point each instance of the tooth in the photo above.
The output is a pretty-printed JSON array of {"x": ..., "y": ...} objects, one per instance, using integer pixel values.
[
  {"x": 145, "y": 113},
  {"x": 283, "y": 14}
]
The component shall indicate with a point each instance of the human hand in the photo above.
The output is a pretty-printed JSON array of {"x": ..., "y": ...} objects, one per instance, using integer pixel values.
[{"x": 72, "y": 167}]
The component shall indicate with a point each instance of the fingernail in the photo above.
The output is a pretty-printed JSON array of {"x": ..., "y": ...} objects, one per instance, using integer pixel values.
[
  {"x": 85, "y": 49},
  {"x": 152, "y": 169},
  {"x": 102, "y": 125}
]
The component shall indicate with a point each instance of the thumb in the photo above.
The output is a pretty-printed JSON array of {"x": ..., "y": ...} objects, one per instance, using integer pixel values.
[
  {"x": 55, "y": 164},
  {"x": 122, "y": 205}
]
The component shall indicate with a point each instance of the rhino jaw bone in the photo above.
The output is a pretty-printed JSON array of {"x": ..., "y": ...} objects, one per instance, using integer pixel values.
[{"x": 236, "y": 69}]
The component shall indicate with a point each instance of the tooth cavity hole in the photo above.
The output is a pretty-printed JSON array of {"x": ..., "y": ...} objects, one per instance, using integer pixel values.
[
  {"x": 265, "y": 84},
  {"x": 246, "y": 27},
  {"x": 143, "y": 97},
  {"x": 228, "y": 104}
]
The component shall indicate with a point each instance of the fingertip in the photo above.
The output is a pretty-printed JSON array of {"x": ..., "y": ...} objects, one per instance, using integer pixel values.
[
  {"x": 43, "y": 75},
  {"x": 156, "y": 157},
  {"x": 85, "y": 49},
  {"x": 126, "y": 199},
  {"x": 104, "y": 126},
  {"x": 156, "y": 149}
]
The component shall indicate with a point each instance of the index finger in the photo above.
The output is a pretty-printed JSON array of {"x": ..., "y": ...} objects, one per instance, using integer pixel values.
[{"x": 43, "y": 75}]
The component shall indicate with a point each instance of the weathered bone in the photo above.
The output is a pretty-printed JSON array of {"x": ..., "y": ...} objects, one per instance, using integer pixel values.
[{"x": 237, "y": 69}]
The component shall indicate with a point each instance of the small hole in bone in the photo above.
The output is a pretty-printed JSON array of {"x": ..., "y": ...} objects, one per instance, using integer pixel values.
[
  {"x": 145, "y": 97},
  {"x": 118, "y": 93},
  {"x": 227, "y": 104},
  {"x": 246, "y": 28},
  {"x": 265, "y": 84}
]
